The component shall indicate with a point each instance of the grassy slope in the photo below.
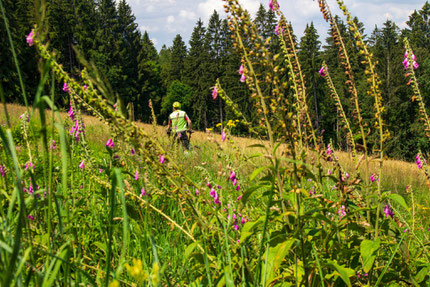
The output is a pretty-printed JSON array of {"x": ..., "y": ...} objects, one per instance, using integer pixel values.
[{"x": 397, "y": 174}]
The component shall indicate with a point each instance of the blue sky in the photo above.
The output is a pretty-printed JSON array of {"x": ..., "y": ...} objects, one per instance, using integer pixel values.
[{"x": 163, "y": 19}]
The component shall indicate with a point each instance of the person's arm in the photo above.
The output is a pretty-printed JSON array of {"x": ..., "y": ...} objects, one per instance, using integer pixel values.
[{"x": 188, "y": 121}]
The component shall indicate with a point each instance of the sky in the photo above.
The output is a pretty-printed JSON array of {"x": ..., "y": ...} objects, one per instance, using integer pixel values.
[{"x": 164, "y": 19}]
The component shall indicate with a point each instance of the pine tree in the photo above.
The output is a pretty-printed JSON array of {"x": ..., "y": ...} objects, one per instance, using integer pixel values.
[
  {"x": 129, "y": 48},
  {"x": 150, "y": 84},
  {"x": 177, "y": 57},
  {"x": 216, "y": 48},
  {"x": 310, "y": 60},
  {"x": 164, "y": 60},
  {"x": 107, "y": 44},
  {"x": 195, "y": 75}
]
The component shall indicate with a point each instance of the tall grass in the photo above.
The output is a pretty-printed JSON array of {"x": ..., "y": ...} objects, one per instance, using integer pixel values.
[{"x": 137, "y": 210}]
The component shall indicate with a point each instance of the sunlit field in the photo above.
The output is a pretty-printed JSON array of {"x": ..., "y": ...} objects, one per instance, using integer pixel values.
[{"x": 91, "y": 197}]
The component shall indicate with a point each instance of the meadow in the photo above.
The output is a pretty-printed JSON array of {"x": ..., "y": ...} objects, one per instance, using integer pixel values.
[{"x": 90, "y": 197}]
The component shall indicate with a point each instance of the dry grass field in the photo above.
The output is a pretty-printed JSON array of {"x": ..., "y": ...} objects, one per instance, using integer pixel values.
[{"x": 397, "y": 174}]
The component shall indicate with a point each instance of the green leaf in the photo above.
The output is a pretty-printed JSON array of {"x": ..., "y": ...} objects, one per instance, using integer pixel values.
[
  {"x": 256, "y": 172},
  {"x": 275, "y": 257},
  {"x": 250, "y": 191},
  {"x": 255, "y": 155},
  {"x": 368, "y": 250},
  {"x": 249, "y": 228},
  {"x": 257, "y": 145},
  {"x": 344, "y": 272},
  {"x": 422, "y": 274},
  {"x": 189, "y": 250},
  {"x": 398, "y": 199}
]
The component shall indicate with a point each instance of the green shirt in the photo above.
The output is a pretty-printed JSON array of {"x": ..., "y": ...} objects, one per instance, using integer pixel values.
[{"x": 179, "y": 121}]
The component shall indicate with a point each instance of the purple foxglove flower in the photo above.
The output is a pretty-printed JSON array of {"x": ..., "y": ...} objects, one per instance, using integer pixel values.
[
  {"x": 243, "y": 220},
  {"x": 30, "y": 189},
  {"x": 323, "y": 71},
  {"x": 214, "y": 93},
  {"x": 234, "y": 182},
  {"x": 232, "y": 175},
  {"x": 236, "y": 227},
  {"x": 406, "y": 230},
  {"x": 28, "y": 117},
  {"x": 132, "y": 151},
  {"x": 82, "y": 164},
  {"x": 30, "y": 217},
  {"x": 223, "y": 136},
  {"x": 136, "y": 175},
  {"x": 212, "y": 193},
  {"x": 238, "y": 188},
  {"x": 53, "y": 145},
  {"x": 388, "y": 212},
  {"x": 110, "y": 143},
  {"x": 100, "y": 170},
  {"x": 28, "y": 165},
  {"x": 2, "y": 171},
  {"x": 208, "y": 184},
  {"x": 66, "y": 88},
  {"x": 241, "y": 70},
  {"x": 234, "y": 216},
  {"x": 415, "y": 65},
  {"x": 142, "y": 191},
  {"x": 238, "y": 241},
  {"x": 418, "y": 161},
  {"x": 273, "y": 6},
  {"x": 162, "y": 158},
  {"x": 85, "y": 87},
  {"x": 71, "y": 114},
  {"x": 372, "y": 177},
  {"x": 342, "y": 212},
  {"x": 239, "y": 197},
  {"x": 197, "y": 192},
  {"x": 243, "y": 78},
  {"x": 30, "y": 38}
]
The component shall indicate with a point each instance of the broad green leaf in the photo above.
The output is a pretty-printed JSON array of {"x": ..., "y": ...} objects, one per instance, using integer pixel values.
[
  {"x": 344, "y": 272},
  {"x": 368, "y": 249},
  {"x": 189, "y": 250},
  {"x": 249, "y": 191},
  {"x": 422, "y": 274},
  {"x": 54, "y": 268},
  {"x": 275, "y": 257},
  {"x": 398, "y": 199},
  {"x": 256, "y": 172},
  {"x": 249, "y": 228}
]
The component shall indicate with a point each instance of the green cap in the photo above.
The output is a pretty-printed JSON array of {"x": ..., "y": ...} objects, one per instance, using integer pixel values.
[{"x": 177, "y": 105}]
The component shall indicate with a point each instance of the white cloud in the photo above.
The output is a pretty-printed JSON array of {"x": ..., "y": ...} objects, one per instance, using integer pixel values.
[
  {"x": 170, "y": 19},
  {"x": 150, "y": 8},
  {"x": 189, "y": 15},
  {"x": 154, "y": 41},
  {"x": 205, "y": 9}
]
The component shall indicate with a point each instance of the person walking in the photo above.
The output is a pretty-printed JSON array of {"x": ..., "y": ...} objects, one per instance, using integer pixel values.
[{"x": 179, "y": 123}]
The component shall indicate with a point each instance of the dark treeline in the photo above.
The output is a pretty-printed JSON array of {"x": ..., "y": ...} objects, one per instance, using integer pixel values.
[{"x": 105, "y": 33}]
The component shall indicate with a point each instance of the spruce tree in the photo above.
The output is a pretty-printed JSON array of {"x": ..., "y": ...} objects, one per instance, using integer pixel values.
[
  {"x": 196, "y": 73},
  {"x": 310, "y": 60},
  {"x": 150, "y": 84},
  {"x": 177, "y": 57}
]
